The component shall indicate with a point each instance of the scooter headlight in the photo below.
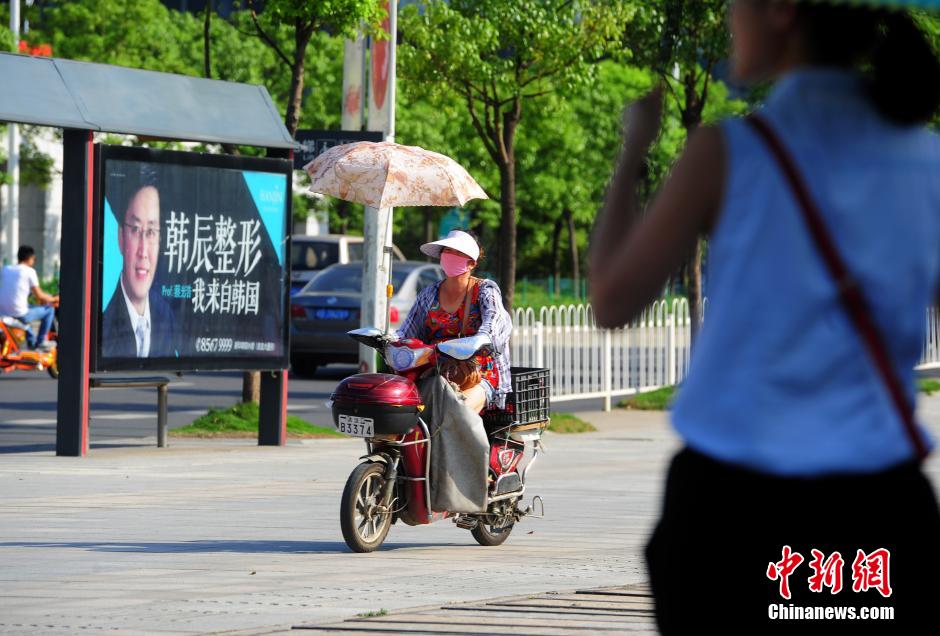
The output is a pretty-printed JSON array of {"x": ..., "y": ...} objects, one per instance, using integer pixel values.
[{"x": 401, "y": 358}]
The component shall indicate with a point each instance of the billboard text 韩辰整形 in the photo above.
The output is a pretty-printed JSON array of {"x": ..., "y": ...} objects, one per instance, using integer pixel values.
[{"x": 192, "y": 263}]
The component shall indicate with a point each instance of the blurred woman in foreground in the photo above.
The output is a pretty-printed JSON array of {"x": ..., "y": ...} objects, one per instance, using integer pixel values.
[{"x": 797, "y": 419}]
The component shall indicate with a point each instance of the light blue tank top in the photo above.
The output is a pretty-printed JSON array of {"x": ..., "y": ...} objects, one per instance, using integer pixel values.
[{"x": 779, "y": 380}]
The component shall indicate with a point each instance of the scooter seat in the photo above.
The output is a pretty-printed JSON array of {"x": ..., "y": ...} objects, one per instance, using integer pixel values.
[{"x": 13, "y": 323}]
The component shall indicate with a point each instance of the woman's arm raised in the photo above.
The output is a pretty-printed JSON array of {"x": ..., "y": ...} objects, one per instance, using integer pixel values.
[{"x": 632, "y": 255}]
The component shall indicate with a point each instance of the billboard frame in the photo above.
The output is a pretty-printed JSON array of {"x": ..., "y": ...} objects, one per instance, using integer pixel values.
[{"x": 104, "y": 152}]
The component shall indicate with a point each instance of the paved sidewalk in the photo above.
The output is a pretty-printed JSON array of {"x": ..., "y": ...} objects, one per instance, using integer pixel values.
[
  {"x": 230, "y": 537},
  {"x": 226, "y": 536},
  {"x": 613, "y": 610}
]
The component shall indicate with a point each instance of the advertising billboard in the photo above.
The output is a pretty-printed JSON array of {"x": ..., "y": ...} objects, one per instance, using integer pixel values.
[{"x": 192, "y": 261}]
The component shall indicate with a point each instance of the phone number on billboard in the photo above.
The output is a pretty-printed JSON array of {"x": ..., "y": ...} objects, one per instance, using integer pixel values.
[{"x": 213, "y": 345}]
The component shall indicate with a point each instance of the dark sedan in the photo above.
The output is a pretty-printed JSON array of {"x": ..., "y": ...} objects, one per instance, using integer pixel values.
[{"x": 329, "y": 306}]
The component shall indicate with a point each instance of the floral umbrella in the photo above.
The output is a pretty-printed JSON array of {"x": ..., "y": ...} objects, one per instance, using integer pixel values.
[{"x": 385, "y": 174}]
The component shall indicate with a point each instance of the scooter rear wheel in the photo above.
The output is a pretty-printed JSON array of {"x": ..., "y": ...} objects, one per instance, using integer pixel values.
[{"x": 364, "y": 526}]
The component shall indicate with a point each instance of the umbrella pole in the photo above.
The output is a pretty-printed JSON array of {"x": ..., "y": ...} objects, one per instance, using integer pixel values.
[
  {"x": 389, "y": 288},
  {"x": 375, "y": 279}
]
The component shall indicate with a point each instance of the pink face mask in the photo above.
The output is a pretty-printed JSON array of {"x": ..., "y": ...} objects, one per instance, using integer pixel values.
[{"x": 454, "y": 264}]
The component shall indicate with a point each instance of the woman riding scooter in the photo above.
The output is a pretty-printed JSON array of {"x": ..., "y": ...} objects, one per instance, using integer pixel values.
[{"x": 462, "y": 305}]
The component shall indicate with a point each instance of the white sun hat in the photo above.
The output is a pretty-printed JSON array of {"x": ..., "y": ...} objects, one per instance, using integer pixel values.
[{"x": 455, "y": 240}]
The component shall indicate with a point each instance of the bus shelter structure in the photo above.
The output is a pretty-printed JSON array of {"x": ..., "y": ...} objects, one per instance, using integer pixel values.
[{"x": 83, "y": 98}]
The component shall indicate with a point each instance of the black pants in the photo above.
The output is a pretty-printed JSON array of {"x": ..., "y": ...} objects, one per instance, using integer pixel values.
[{"x": 722, "y": 526}]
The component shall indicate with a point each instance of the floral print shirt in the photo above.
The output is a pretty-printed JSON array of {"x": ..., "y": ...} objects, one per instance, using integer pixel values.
[{"x": 494, "y": 321}]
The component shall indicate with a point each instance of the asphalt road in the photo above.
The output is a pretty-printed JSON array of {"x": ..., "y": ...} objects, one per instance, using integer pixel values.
[{"x": 127, "y": 417}]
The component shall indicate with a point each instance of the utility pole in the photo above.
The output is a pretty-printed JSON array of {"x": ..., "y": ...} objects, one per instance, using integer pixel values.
[
  {"x": 377, "y": 230},
  {"x": 12, "y": 225}
]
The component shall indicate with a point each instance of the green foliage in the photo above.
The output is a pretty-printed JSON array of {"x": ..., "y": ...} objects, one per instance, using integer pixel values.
[
  {"x": 540, "y": 293},
  {"x": 497, "y": 59},
  {"x": 35, "y": 166},
  {"x": 929, "y": 23},
  {"x": 300, "y": 209},
  {"x": 340, "y": 17},
  {"x": 145, "y": 34},
  {"x": 241, "y": 420},
  {"x": 134, "y": 33},
  {"x": 568, "y": 423},
  {"x": 299, "y": 21},
  {"x": 373, "y": 613},
  {"x": 566, "y": 153},
  {"x": 573, "y": 65},
  {"x": 658, "y": 400},
  {"x": 492, "y": 49},
  {"x": 928, "y": 386},
  {"x": 50, "y": 286},
  {"x": 6, "y": 36}
]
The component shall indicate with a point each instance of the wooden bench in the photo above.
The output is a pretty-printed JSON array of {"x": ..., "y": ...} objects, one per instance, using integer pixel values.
[{"x": 137, "y": 382}]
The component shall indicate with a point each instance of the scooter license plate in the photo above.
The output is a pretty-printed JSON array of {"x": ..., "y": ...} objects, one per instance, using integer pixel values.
[{"x": 357, "y": 426}]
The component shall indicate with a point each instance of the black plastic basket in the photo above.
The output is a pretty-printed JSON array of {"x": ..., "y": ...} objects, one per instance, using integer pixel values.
[{"x": 529, "y": 400}]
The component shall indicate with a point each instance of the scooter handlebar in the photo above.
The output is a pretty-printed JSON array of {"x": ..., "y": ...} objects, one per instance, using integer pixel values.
[{"x": 464, "y": 348}]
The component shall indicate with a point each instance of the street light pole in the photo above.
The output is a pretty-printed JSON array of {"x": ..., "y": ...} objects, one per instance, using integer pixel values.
[{"x": 13, "y": 160}]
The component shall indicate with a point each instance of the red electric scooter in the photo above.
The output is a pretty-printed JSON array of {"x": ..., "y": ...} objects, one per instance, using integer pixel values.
[{"x": 393, "y": 481}]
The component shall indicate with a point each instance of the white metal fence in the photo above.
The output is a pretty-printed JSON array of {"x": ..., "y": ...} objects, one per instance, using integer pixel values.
[
  {"x": 930, "y": 356},
  {"x": 651, "y": 352}
]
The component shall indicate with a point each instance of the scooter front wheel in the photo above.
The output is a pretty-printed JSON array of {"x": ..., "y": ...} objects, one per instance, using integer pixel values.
[
  {"x": 363, "y": 520},
  {"x": 488, "y": 535}
]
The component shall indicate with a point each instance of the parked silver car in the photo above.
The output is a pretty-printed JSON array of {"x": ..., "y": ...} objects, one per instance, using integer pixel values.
[
  {"x": 309, "y": 255},
  {"x": 329, "y": 306}
]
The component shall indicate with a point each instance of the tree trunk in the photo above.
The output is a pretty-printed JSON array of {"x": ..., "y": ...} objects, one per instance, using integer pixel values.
[
  {"x": 206, "y": 48},
  {"x": 302, "y": 34},
  {"x": 556, "y": 255},
  {"x": 507, "y": 200},
  {"x": 695, "y": 290},
  {"x": 428, "y": 226},
  {"x": 691, "y": 118},
  {"x": 507, "y": 232},
  {"x": 207, "y": 61},
  {"x": 251, "y": 386},
  {"x": 573, "y": 247},
  {"x": 343, "y": 211}
]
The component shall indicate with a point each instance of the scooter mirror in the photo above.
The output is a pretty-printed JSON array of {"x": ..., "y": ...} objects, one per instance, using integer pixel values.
[
  {"x": 464, "y": 348},
  {"x": 370, "y": 337}
]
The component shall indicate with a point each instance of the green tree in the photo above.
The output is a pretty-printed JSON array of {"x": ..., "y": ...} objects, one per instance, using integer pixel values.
[
  {"x": 134, "y": 33},
  {"x": 6, "y": 36},
  {"x": 498, "y": 56},
  {"x": 566, "y": 155},
  {"x": 302, "y": 19},
  {"x": 930, "y": 25},
  {"x": 683, "y": 42}
]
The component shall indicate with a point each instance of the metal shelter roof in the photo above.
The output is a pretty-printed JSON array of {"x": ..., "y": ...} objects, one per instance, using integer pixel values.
[{"x": 68, "y": 94}]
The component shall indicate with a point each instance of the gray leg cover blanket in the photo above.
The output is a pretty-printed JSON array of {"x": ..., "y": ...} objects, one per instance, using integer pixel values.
[{"x": 459, "y": 449}]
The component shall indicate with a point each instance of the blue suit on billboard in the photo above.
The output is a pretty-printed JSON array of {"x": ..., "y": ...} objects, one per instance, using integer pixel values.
[{"x": 117, "y": 333}]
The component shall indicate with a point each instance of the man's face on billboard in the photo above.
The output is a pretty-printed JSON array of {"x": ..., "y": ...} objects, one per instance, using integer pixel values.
[{"x": 139, "y": 241}]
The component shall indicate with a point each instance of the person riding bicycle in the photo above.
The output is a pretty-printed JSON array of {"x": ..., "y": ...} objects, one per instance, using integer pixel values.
[
  {"x": 17, "y": 282},
  {"x": 462, "y": 305}
]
